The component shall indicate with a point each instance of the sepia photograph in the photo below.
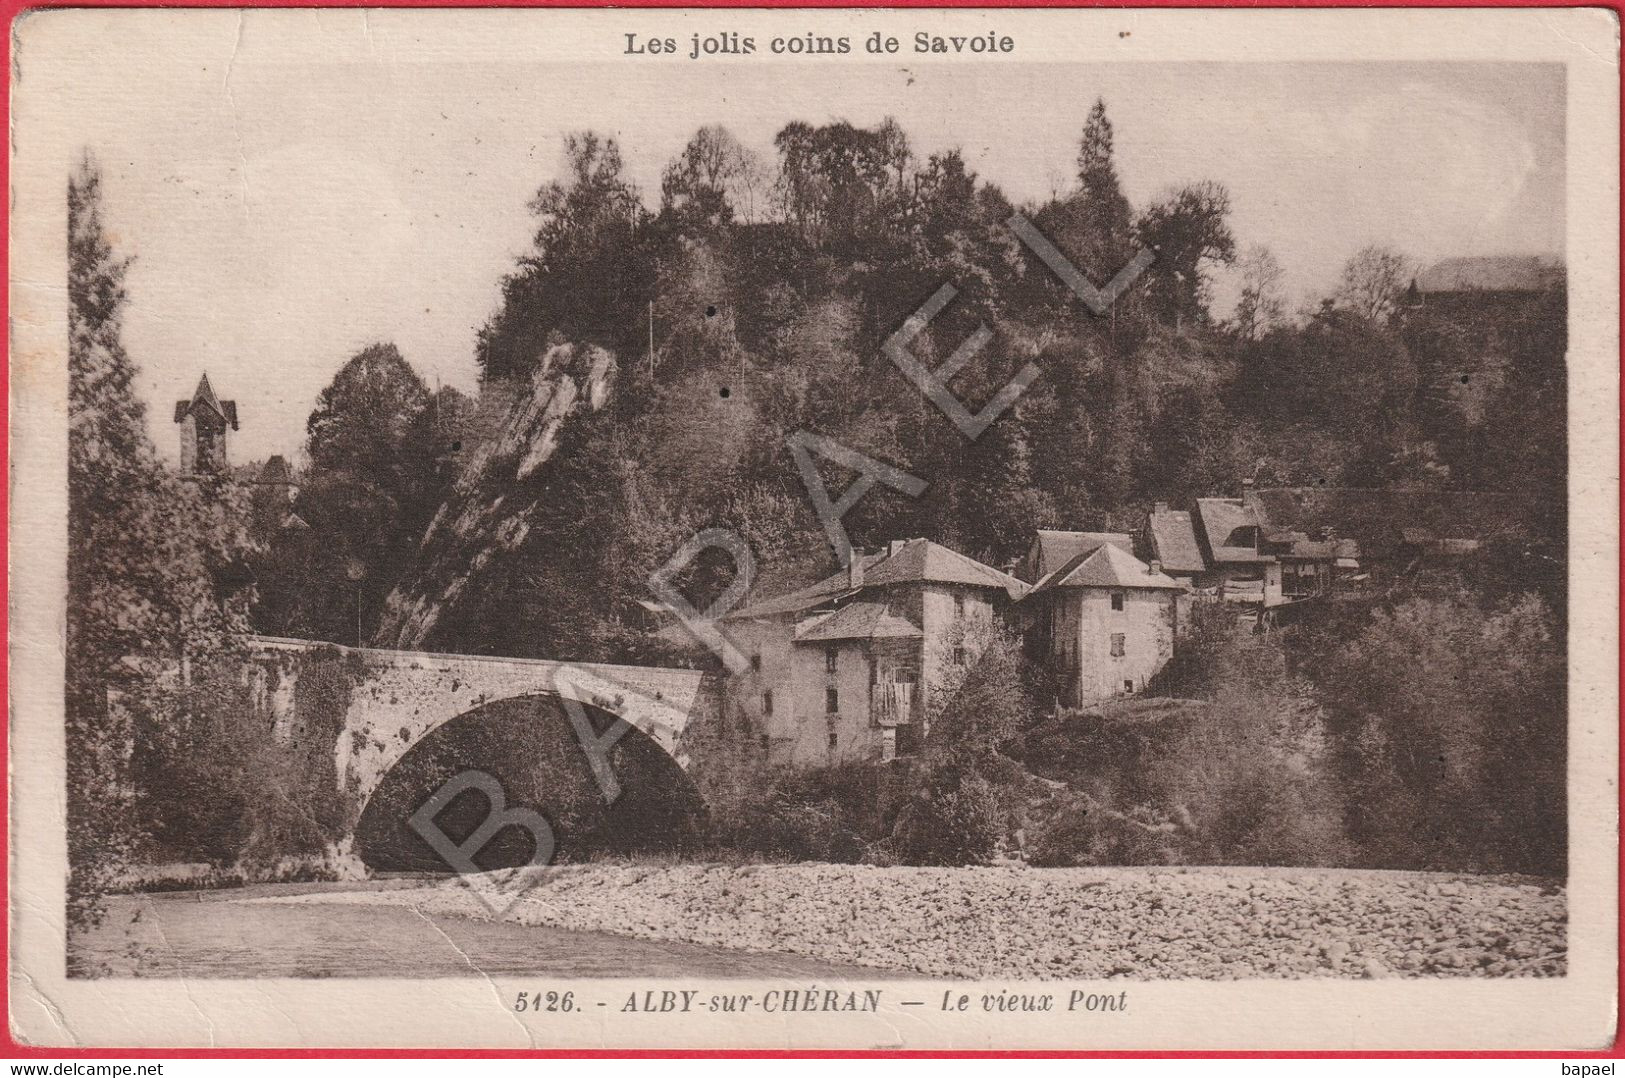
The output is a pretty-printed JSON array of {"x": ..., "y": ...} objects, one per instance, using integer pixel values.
[{"x": 755, "y": 510}]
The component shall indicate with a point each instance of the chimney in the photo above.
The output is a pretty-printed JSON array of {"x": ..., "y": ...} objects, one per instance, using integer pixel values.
[
  {"x": 1247, "y": 499},
  {"x": 1155, "y": 567},
  {"x": 1160, "y": 507},
  {"x": 854, "y": 569},
  {"x": 895, "y": 545}
]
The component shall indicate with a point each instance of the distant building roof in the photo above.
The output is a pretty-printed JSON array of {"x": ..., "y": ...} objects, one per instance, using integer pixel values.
[
  {"x": 856, "y": 621},
  {"x": 276, "y": 471},
  {"x": 1173, "y": 541},
  {"x": 1230, "y": 528},
  {"x": 1108, "y": 566},
  {"x": 204, "y": 397},
  {"x": 1052, "y": 549},
  {"x": 1375, "y": 523},
  {"x": 915, "y": 561},
  {"x": 1497, "y": 273}
]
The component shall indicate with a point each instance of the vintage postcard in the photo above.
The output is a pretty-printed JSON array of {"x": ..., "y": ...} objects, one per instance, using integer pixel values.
[{"x": 808, "y": 529}]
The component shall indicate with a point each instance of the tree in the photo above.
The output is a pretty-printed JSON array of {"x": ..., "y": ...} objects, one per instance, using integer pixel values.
[
  {"x": 834, "y": 181},
  {"x": 714, "y": 179},
  {"x": 1188, "y": 231},
  {"x": 1373, "y": 281},
  {"x": 1092, "y": 223},
  {"x": 364, "y": 417},
  {"x": 378, "y": 447},
  {"x": 153, "y": 564},
  {"x": 585, "y": 278},
  {"x": 1262, "y": 305},
  {"x": 976, "y": 707},
  {"x": 1104, "y": 212}
]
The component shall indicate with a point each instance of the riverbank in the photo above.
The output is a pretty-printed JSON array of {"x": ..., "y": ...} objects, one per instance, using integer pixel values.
[
  {"x": 1024, "y": 923},
  {"x": 250, "y": 932}
]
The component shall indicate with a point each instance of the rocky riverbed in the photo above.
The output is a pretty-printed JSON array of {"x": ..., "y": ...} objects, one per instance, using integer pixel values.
[{"x": 1016, "y": 922}]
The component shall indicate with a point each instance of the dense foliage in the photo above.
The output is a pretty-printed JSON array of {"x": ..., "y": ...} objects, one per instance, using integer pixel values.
[
  {"x": 380, "y": 453},
  {"x": 154, "y": 570}
]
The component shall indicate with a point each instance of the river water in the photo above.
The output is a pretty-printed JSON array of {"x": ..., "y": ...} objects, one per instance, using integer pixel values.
[{"x": 218, "y": 934}]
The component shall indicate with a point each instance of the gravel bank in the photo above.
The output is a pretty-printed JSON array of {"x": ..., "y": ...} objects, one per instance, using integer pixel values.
[{"x": 1023, "y": 923}]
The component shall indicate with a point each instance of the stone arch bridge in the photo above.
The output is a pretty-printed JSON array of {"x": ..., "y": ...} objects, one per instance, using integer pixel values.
[{"x": 369, "y": 707}]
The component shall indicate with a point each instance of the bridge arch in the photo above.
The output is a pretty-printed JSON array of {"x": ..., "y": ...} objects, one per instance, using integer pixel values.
[
  {"x": 369, "y": 708},
  {"x": 530, "y": 746}
]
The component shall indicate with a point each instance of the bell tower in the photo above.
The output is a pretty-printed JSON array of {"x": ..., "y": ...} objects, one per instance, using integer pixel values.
[{"x": 204, "y": 422}]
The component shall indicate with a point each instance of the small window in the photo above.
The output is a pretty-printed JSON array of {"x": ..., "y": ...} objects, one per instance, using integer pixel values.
[
  {"x": 767, "y": 702},
  {"x": 832, "y": 741},
  {"x": 959, "y": 656},
  {"x": 1128, "y": 687},
  {"x": 1117, "y": 600},
  {"x": 832, "y": 701},
  {"x": 764, "y": 742},
  {"x": 756, "y": 661},
  {"x": 830, "y": 655},
  {"x": 1117, "y": 645},
  {"x": 959, "y": 605}
]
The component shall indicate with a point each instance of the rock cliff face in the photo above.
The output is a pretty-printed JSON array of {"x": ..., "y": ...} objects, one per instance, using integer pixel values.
[{"x": 490, "y": 511}]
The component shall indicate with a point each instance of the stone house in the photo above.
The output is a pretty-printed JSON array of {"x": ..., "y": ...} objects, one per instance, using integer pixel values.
[
  {"x": 1169, "y": 542},
  {"x": 1239, "y": 569},
  {"x": 1052, "y": 549},
  {"x": 844, "y": 670},
  {"x": 1105, "y": 623}
]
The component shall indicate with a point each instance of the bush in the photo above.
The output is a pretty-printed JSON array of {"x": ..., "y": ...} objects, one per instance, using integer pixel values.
[
  {"x": 1081, "y": 830},
  {"x": 820, "y": 831},
  {"x": 955, "y": 819},
  {"x": 1241, "y": 778},
  {"x": 836, "y": 814}
]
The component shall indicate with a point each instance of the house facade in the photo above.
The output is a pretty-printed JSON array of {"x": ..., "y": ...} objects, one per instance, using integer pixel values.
[
  {"x": 1105, "y": 623},
  {"x": 844, "y": 671}
]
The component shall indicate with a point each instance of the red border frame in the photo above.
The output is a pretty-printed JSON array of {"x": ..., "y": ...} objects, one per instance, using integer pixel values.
[{"x": 10, "y": 10}]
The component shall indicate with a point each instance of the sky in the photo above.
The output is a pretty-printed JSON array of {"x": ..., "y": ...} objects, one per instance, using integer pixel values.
[{"x": 284, "y": 215}]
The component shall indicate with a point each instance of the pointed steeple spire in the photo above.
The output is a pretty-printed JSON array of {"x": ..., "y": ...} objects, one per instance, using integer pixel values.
[{"x": 205, "y": 395}]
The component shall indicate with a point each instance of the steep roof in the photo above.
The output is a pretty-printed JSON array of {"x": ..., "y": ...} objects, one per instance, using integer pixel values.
[
  {"x": 1108, "y": 566},
  {"x": 1375, "y": 523},
  {"x": 1173, "y": 541},
  {"x": 856, "y": 621},
  {"x": 1498, "y": 273},
  {"x": 203, "y": 396},
  {"x": 920, "y": 561},
  {"x": 1054, "y": 549},
  {"x": 1229, "y": 528},
  {"x": 276, "y": 471},
  {"x": 917, "y": 561}
]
